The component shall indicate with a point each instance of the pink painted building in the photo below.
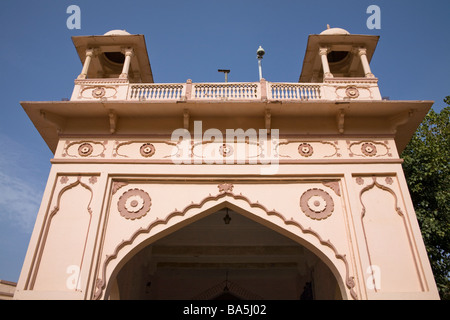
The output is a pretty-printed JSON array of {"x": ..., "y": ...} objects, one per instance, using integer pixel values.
[{"x": 229, "y": 190}]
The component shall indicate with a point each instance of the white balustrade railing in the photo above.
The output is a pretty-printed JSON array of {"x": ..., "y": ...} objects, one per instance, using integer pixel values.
[
  {"x": 228, "y": 91},
  {"x": 114, "y": 89},
  {"x": 294, "y": 91},
  {"x": 160, "y": 91}
]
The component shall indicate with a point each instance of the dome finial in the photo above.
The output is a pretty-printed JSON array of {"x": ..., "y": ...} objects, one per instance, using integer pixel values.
[{"x": 328, "y": 26}]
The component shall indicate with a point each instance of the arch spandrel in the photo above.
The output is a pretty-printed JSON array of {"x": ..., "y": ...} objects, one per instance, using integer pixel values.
[{"x": 157, "y": 223}]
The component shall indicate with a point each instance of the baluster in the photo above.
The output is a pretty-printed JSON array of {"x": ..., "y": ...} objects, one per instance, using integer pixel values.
[{"x": 152, "y": 92}]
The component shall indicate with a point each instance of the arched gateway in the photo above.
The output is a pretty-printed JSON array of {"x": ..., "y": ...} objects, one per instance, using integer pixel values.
[{"x": 226, "y": 190}]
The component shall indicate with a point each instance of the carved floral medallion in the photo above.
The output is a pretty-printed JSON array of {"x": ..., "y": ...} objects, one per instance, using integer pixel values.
[
  {"x": 226, "y": 150},
  {"x": 85, "y": 149},
  {"x": 305, "y": 149},
  {"x": 369, "y": 149},
  {"x": 317, "y": 204},
  {"x": 352, "y": 92},
  {"x": 134, "y": 204},
  {"x": 147, "y": 150},
  {"x": 98, "y": 92}
]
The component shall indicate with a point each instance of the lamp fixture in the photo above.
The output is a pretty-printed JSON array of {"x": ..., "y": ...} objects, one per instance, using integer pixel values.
[{"x": 227, "y": 218}]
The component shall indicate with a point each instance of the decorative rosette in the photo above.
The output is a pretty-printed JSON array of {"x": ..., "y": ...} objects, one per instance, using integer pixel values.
[
  {"x": 147, "y": 150},
  {"x": 317, "y": 204},
  {"x": 134, "y": 204},
  {"x": 85, "y": 149},
  {"x": 305, "y": 149}
]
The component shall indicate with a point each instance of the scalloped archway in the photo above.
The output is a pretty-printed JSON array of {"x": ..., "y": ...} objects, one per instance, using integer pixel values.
[{"x": 311, "y": 240}]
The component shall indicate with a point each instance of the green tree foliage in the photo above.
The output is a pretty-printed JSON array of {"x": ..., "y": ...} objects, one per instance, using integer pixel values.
[{"x": 427, "y": 171}]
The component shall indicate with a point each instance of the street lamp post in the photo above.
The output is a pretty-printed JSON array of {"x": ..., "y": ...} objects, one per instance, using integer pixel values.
[{"x": 259, "y": 54}]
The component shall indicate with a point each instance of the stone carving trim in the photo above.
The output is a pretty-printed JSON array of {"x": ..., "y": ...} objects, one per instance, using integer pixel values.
[
  {"x": 63, "y": 180},
  {"x": 84, "y": 149},
  {"x": 98, "y": 92},
  {"x": 353, "y": 92},
  {"x": 116, "y": 185},
  {"x": 308, "y": 149},
  {"x": 147, "y": 149},
  {"x": 227, "y": 149},
  {"x": 225, "y": 190},
  {"x": 368, "y": 148},
  {"x": 334, "y": 185},
  {"x": 375, "y": 184}
]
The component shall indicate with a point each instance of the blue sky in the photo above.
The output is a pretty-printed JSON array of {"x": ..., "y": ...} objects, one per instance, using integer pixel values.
[{"x": 189, "y": 40}]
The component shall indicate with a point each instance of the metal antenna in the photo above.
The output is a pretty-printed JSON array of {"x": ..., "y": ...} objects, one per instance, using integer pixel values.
[{"x": 226, "y": 71}]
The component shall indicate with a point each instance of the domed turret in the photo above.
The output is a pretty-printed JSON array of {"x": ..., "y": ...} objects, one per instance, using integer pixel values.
[
  {"x": 334, "y": 31},
  {"x": 117, "y": 33}
]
